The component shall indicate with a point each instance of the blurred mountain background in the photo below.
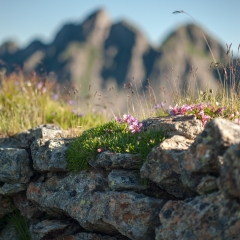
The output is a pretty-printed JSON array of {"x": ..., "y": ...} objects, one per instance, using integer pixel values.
[{"x": 106, "y": 54}]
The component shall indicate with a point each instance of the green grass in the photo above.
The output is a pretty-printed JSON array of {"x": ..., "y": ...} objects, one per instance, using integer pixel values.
[
  {"x": 110, "y": 136},
  {"x": 18, "y": 221},
  {"x": 26, "y": 102}
]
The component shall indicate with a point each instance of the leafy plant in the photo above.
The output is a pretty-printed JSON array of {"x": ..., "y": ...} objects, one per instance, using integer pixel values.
[{"x": 113, "y": 136}]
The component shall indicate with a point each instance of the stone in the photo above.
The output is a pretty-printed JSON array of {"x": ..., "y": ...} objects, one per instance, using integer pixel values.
[
  {"x": 9, "y": 233},
  {"x": 5, "y": 205},
  {"x": 119, "y": 180},
  {"x": 85, "y": 197},
  {"x": 93, "y": 236},
  {"x": 185, "y": 125},
  {"x": 229, "y": 180},
  {"x": 109, "y": 160},
  {"x": 11, "y": 189},
  {"x": 110, "y": 201},
  {"x": 25, "y": 139},
  {"x": 49, "y": 229},
  {"x": 207, "y": 185},
  {"x": 15, "y": 165},
  {"x": 50, "y": 155},
  {"x": 203, "y": 154},
  {"x": 163, "y": 166},
  {"x": 204, "y": 217},
  {"x": 27, "y": 208}
]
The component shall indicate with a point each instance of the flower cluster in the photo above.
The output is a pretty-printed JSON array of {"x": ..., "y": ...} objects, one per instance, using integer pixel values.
[
  {"x": 133, "y": 124},
  {"x": 202, "y": 111}
]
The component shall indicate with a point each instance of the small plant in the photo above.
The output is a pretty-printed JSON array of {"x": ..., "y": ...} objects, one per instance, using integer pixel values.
[
  {"x": 205, "y": 112},
  {"x": 19, "y": 224},
  {"x": 121, "y": 136}
]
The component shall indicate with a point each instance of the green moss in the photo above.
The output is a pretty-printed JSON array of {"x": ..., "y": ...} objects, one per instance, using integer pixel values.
[{"x": 110, "y": 136}]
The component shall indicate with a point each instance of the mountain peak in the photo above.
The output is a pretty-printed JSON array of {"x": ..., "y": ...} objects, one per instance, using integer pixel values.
[{"x": 96, "y": 26}]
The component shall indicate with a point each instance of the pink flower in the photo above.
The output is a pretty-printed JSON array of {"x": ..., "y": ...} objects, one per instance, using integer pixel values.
[
  {"x": 237, "y": 121},
  {"x": 100, "y": 150},
  {"x": 134, "y": 125}
]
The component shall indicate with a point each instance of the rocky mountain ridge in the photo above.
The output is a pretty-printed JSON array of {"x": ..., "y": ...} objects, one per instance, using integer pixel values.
[{"x": 99, "y": 52}]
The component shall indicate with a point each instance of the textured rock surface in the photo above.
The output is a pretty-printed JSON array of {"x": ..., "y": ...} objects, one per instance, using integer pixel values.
[
  {"x": 218, "y": 135},
  {"x": 50, "y": 155},
  {"x": 15, "y": 165},
  {"x": 207, "y": 185},
  {"x": 163, "y": 166},
  {"x": 93, "y": 236},
  {"x": 50, "y": 229},
  {"x": 109, "y": 202},
  {"x": 25, "y": 139},
  {"x": 27, "y": 208},
  {"x": 83, "y": 197},
  {"x": 110, "y": 160},
  {"x": 229, "y": 181},
  {"x": 187, "y": 126},
  {"x": 10, "y": 189},
  {"x": 9, "y": 233},
  {"x": 204, "y": 217},
  {"x": 5, "y": 206},
  {"x": 125, "y": 180}
]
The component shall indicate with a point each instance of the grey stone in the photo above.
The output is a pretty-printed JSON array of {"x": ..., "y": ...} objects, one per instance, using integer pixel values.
[
  {"x": 15, "y": 165},
  {"x": 185, "y": 125},
  {"x": 229, "y": 180},
  {"x": 9, "y": 233},
  {"x": 110, "y": 160},
  {"x": 204, "y": 217},
  {"x": 203, "y": 154},
  {"x": 50, "y": 229},
  {"x": 50, "y": 155},
  {"x": 119, "y": 180},
  {"x": 207, "y": 185},
  {"x": 163, "y": 166},
  {"x": 10, "y": 189},
  {"x": 5, "y": 205},
  {"x": 27, "y": 208},
  {"x": 84, "y": 197},
  {"x": 94, "y": 236}
]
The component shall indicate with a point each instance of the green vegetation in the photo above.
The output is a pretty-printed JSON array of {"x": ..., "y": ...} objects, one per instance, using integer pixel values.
[
  {"x": 110, "y": 136},
  {"x": 26, "y": 102},
  {"x": 18, "y": 221}
]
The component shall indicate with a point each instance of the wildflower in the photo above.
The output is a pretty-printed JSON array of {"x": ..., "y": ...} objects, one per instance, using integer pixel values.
[
  {"x": 119, "y": 120},
  {"x": 71, "y": 102},
  {"x": 219, "y": 111},
  {"x": 40, "y": 85},
  {"x": 205, "y": 119},
  {"x": 158, "y": 106},
  {"x": 100, "y": 150},
  {"x": 135, "y": 127},
  {"x": 55, "y": 97},
  {"x": 77, "y": 113},
  {"x": 180, "y": 110},
  {"x": 237, "y": 121}
]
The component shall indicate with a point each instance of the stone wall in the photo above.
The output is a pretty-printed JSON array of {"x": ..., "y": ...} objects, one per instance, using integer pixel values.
[{"x": 192, "y": 192}]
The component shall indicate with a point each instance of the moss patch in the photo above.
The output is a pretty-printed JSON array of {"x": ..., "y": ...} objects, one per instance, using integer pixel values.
[{"x": 110, "y": 136}]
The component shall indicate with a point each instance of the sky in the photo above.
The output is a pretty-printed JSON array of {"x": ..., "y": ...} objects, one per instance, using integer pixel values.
[{"x": 26, "y": 20}]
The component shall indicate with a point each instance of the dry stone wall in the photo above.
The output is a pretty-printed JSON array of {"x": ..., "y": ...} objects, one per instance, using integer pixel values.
[{"x": 193, "y": 189}]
